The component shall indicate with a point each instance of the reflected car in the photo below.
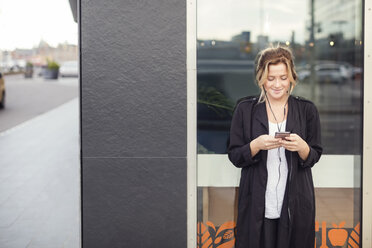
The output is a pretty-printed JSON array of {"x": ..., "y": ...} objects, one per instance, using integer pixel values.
[
  {"x": 357, "y": 73},
  {"x": 2, "y": 91},
  {"x": 69, "y": 69},
  {"x": 327, "y": 72}
]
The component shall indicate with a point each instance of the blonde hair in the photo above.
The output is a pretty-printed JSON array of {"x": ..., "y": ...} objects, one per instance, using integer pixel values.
[{"x": 274, "y": 56}]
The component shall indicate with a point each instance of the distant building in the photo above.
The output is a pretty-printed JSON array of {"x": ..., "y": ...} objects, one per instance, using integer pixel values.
[
  {"x": 63, "y": 52},
  {"x": 38, "y": 55}
]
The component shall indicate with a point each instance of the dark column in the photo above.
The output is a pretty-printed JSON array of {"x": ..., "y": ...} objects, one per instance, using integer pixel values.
[{"x": 133, "y": 123}]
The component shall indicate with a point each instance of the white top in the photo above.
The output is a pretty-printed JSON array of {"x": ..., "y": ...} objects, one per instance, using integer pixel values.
[{"x": 277, "y": 176}]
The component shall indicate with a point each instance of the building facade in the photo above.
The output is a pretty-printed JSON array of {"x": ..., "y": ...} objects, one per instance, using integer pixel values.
[{"x": 159, "y": 82}]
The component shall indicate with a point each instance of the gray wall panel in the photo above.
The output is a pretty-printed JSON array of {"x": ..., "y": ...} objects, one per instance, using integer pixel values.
[
  {"x": 134, "y": 203},
  {"x": 133, "y": 78},
  {"x": 133, "y": 123}
]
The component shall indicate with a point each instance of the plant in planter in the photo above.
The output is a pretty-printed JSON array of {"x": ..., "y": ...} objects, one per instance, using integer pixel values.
[
  {"x": 52, "y": 70},
  {"x": 29, "y": 70}
]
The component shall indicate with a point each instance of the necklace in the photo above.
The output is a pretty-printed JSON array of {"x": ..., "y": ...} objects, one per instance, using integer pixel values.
[{"x": 277, "y": 124}]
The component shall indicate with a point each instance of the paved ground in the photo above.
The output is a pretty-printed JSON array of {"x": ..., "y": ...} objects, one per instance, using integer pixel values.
[
  {"x": 40, "y": 181},
  {"x": 27, "y": 98}
]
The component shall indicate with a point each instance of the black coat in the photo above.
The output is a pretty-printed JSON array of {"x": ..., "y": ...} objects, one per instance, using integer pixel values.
[{"x": 297, "y": 221}]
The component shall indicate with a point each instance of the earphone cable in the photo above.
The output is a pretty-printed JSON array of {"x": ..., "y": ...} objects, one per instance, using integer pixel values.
[{"x": 280, "y": 159}]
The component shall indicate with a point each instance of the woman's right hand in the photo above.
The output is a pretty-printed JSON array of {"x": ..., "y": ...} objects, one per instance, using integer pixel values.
[
  {"x": 267, "y": 142},
  {"x": 264, "y": 142}
]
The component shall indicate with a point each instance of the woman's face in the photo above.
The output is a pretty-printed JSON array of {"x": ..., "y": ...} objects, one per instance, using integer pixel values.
[{"x": 277, "y": 83}]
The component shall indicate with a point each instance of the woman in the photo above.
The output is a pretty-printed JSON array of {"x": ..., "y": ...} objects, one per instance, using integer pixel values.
[{"x": 276, "y": 206}]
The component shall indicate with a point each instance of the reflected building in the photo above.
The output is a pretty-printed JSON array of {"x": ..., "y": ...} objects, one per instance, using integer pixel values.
[
  {"x": 262, "y": 42},
  {"x": 245, "y": 45},
  {"x": 239, "y": 47},
  {"x": 338, "y": 31},
  {"x": 218, "y": 49}
]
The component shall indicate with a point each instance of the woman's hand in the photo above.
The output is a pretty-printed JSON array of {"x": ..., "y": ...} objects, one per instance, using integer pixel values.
[
  {"x": 295, "y": 143},
  {"x": 264, "y": 142}
]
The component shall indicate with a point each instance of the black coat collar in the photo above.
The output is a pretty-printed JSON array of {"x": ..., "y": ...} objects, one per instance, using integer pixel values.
[{"x": 260, "y": 115}]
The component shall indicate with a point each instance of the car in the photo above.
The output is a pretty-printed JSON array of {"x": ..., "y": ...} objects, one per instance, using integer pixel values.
[
  {"x": 327, "y": 72},
  {"x": 2, "y": 91},
  {"x": 69, "y": 69}
]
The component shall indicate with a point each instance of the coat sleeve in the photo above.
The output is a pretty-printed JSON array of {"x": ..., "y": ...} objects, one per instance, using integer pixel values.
[
  {"x": 313, "y": 137},
  {"x": 239, "y": 150}
]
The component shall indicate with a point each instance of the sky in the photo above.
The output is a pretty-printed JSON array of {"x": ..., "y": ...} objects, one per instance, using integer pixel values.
[
  {"x": 23, "y": 23},
  {"x": 221, "y": 19}
]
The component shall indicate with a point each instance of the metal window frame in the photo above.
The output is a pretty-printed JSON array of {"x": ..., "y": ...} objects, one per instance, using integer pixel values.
[
  {"x": 367, "y": 131},
  {"x": 191, "y": 123}
]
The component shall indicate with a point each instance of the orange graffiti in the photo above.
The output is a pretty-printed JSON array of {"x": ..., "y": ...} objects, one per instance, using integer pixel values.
[
  {"x": 324, "y": 235},
  {"x": 354, "y": 237},
  {"x": 228, "y": 234},
  {"x": 338, "y": 236},
  {"x": 204, "y": 239},
  {"x": 316, "y": 230},
  {"x": 210, "y": 236},
  {"x": 226, "y": 230}
]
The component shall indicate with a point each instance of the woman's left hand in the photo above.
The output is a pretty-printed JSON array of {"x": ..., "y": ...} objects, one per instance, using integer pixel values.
[{"x": 294, "y": 143}]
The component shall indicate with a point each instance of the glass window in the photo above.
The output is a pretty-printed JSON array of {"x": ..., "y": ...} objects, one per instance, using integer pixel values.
[{"x": 326, "y": 38}]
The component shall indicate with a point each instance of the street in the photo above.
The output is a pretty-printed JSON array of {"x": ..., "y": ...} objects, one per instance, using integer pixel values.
[
  {"x": 39, "y": 164},
  {"x": 27, "y": 98}
]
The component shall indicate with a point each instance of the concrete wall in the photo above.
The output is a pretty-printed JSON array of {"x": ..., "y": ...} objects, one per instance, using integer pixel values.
[{"x": 133, "y": 123}]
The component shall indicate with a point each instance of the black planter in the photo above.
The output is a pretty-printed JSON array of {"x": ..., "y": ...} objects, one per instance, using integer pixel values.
[
  {"x": 29, "y": 73},
  {"x": 51, "y": 74}
]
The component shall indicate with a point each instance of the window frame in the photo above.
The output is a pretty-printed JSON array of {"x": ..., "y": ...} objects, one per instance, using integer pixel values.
[{"x": 367, "y": 132}]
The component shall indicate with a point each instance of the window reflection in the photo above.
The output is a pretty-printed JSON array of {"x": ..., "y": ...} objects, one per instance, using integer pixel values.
[
  {"x": 325, "y": 37},
  {"x": 327, "y": 48}
]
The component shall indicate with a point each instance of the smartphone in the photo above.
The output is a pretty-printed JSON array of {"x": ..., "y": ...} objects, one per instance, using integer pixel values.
[{"x": 282, "y": 134}]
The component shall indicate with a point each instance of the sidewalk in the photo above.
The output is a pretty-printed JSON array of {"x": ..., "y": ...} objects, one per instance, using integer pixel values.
[{"x": 40, "y": 181}]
